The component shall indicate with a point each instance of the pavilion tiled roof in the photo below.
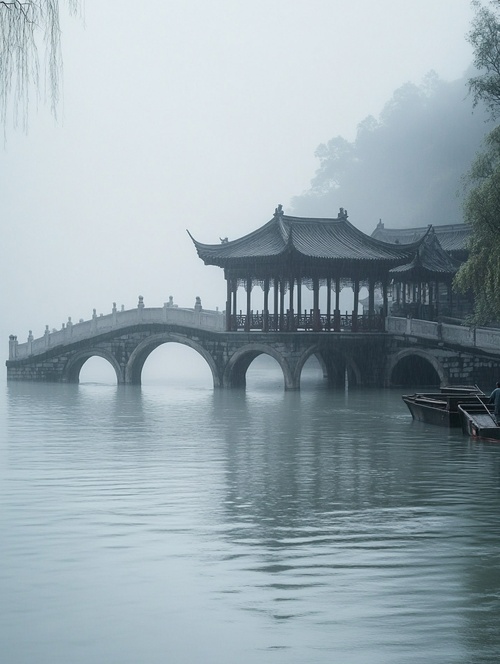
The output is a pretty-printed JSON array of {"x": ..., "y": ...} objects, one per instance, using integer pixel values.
[
  {"x": 429, "y": 261},
  {"x": 452, "y": 237},
  {"x": 331, "y": 239}
]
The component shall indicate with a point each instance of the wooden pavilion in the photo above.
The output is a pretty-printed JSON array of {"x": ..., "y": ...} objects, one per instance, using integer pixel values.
[
  {"x": 453, "y": 238},
  {"x": 289, "y": 253},
  {"x": 420, "y": 284},
  {"x": 424, "y": 288}
]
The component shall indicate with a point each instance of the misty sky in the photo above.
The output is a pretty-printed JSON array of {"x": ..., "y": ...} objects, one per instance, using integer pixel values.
[{"x": 192, "y": 114}]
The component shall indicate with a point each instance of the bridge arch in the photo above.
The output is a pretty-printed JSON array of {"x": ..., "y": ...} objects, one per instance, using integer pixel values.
[
  {"x": 333, "y": 365},
  {"x": 140, "y": 354},
  {"x": 237, "y": 366},
  {"x": 71, "y": 372},
  {"x": 408, "y": 353}
]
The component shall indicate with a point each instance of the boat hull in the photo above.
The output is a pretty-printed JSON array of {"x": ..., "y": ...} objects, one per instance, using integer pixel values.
[
  {"x": 441, "y": 408},
  {"x": 432, "y": 414},
  {"x": 479, "y": 422}
]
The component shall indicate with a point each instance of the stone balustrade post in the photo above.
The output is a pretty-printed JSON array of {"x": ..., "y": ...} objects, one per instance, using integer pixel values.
[
  {"x": 140, "y": 307},
  {"x": 93, "y": 324},
  {"x": 12, "y": 347},
  {"x": 30, "y": 342},
  {"x": 46, "y": 335},
  {"x": 197, "y": 311},
  {"x": 69, "y": 328},
  {"x": 114, "y": 314}
]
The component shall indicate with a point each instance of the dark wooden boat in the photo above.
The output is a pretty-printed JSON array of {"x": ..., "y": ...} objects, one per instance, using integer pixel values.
[
  {"x": 441, "y": 407},
  {"x": 479, "y": 421}
]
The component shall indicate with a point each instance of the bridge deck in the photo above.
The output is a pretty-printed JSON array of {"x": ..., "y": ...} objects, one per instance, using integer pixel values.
[{"x": 486, "y": 339}]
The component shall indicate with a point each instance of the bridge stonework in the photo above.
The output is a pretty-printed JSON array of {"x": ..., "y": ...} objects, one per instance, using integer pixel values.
[
  {"x": 228, "y": 354},
  {"x": 455, "y": 354},
  {"x": 454, "y": 365}
]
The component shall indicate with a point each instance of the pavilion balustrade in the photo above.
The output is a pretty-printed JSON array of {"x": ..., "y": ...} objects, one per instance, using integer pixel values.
[
  {"x": 283, "y": 299},
  {"x": 307, "y": 322}
]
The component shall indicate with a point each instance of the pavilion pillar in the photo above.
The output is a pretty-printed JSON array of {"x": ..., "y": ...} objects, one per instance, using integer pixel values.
[
  {"x": 228, "y": 306},
  {"x": 436, "y": 299},
  {"x": 275, "y": 310},
  {"x": 328, "y": 302},
  {"x": 234, "y": 320},
  {"x": 282, "y": 304},
  {"x": 316, "y": 314},
  {"x": 385, "y": 306},
  {"x": 249, "y": 304},
  {"x": 336, "y": 315},
  {"x": 291, "y": 317},
  {"x": 356, "y": 304},
  {"x": 265, "y": 316},
  {"x": 450, "y": 297},
  {"x": 299, "y": 299},
  {"x": 371, "y": 297}
]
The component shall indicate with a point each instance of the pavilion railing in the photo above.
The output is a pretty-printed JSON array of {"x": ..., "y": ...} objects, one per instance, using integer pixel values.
[{"x": 308, "y": 322}]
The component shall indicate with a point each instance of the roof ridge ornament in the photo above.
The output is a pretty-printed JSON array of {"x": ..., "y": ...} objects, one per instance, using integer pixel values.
[
  {"x": 342, "y": 213},
  {"x": 278, "y": 212}
]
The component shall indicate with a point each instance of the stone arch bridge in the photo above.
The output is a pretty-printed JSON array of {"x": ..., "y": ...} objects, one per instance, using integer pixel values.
[{"x": 408, "y": 351}]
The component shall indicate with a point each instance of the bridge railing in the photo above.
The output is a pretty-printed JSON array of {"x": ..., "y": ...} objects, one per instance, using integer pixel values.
[
  {"x": 307, "y": 321},
  {"x": 482, "y": 338},
  {"x": 72, "y": 332},
  {"x": 487, "y": 339}
]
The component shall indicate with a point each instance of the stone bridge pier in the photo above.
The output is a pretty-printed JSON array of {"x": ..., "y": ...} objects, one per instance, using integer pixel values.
[
  {"x": 361, "y": 359},
  {"x": 408, "y": 353},
  {"x": 228, "y": 355}
]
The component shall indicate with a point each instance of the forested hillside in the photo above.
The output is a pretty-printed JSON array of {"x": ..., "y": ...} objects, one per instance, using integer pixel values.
[{"x": 405, "y": 167}]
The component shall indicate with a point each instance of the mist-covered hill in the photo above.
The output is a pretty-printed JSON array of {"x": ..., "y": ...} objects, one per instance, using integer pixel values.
[{"x": 406, "y": 167}]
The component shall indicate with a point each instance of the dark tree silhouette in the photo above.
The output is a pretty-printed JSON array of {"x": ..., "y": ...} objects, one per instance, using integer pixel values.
[
  {"x": 485, "y": 39},
  {"x": 481, "y": 272}
]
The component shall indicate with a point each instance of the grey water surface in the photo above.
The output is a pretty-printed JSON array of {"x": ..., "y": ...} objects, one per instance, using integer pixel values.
[{"x": 157, "y": 524}]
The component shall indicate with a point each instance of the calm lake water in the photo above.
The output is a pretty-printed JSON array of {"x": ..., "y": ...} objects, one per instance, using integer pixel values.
[{"x": 179, "y": 524}]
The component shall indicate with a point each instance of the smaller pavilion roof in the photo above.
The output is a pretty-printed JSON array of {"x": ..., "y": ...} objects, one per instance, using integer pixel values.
[
  {"x": 429, "y": 261},
  {"x": 452, "y": 237}
]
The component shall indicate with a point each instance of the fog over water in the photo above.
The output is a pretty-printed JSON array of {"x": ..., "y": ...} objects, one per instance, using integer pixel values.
[{"x": 195, "y": 115}]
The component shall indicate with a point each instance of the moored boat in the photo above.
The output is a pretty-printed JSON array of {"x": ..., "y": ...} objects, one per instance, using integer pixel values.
[
  {"x": 478, "y": 420},
  {"x": 441, "y": 407}
]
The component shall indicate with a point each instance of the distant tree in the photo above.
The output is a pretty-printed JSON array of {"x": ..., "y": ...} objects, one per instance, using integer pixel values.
[
  {"x": 404, "y": 166},
  {"x": 481, "y": 272},
  {"x": 26, "y": 28},
  {"x": 484, "y": 37}
]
